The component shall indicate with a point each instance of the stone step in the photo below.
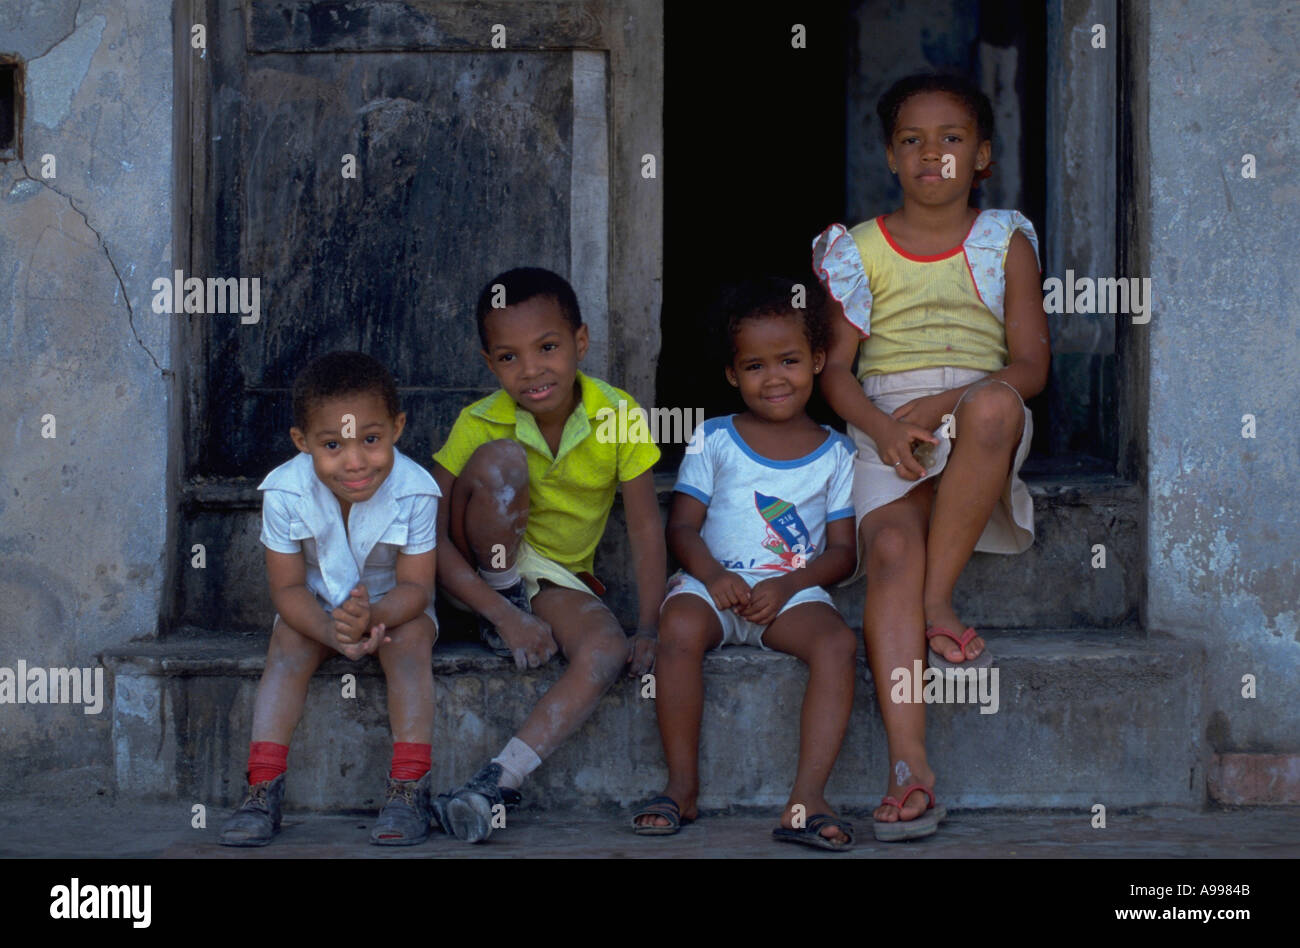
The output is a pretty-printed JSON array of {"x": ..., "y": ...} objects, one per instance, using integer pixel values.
[
  {"x": 1054, "y": 584},
  {"x": 1083, "y": 717}
]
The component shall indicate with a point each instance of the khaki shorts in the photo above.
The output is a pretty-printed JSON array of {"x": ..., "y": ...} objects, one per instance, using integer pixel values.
[{"x": 533, "y": 568}]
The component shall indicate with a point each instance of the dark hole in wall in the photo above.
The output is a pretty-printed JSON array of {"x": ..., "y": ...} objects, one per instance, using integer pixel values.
[{"x": 11, "y": 90}]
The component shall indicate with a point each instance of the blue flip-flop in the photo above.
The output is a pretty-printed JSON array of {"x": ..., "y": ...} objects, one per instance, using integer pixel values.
[
  {"x": 660, "y": 806},
  {"x": 811, "y": 834}
]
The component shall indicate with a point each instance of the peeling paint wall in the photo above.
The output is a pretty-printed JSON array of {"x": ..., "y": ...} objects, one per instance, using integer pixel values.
[
  {"x": 1225, "y": 342},
  {"x": 82, "y": 514}
]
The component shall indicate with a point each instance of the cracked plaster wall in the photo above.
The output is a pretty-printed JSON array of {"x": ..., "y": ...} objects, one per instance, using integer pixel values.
[
  {"x": 82, "y": 515},
  {"x": 83, "y": 518},
  {"x": 1225, "y": 342}
]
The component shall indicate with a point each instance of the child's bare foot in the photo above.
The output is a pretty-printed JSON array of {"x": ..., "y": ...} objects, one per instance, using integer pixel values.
[
  {"x": 942, "y": 615},
  {"x": 812, "y": 807},
  {"x": 686, "y": 801},
  {"x": 916, "y": 803}
]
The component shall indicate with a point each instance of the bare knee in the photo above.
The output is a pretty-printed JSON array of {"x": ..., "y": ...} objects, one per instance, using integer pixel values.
[
  {"x": 890, "y": 548},
  {"x": 496, "y": 464},
  {"x": 991, "y": 416},
  {"x": 412, "y": 642},
  {"x": 292, "y": 652},
  {"x": 603, "y": 653},
  {"x": 681, "y": 633},
  {"x": 836, "y": 646}
]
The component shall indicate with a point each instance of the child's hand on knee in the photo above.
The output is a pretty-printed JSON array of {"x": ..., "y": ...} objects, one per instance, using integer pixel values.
[
  {"x": 895, "y": 448},
  {"x": 352, "y": 618},
  {"x": 926, "y": 412},
  {"x": 641, "y": 656},
  {"x": 728, "y": 590},
  {"x": 529, "y": 638},
  {"x": 766, "y": 600}
]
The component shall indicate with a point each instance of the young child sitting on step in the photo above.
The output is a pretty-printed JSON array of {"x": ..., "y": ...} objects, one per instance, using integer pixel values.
[
  {"x": 762, "y": 519},
  {"x": 530, "y": 481},
  {"x": 349, "y": 527}
]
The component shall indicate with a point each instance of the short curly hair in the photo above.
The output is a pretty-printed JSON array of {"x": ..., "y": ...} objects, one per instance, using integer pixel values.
[
  {"x": 522, "y": 284},
  {"x": 768, "y": 297},
  {"x": 341, "y": 373},
  {"x": 954, "y": 84}
]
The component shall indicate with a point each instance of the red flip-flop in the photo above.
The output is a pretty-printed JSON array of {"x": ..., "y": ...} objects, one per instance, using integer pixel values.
[
  {"x": 923, "y": 825},
  {"x": 983, "y": 660}
]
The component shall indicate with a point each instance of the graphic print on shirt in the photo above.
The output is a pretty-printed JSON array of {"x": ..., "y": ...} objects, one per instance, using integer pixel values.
[{"x": 787, "y": 536}]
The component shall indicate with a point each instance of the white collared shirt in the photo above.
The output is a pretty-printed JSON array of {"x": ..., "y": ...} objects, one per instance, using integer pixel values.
[{"x": 299, "y": 513}]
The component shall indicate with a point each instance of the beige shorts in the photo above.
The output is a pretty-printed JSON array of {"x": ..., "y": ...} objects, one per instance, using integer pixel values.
[
  {"x": 1011, "y": 525},
  {"x": 533, "y": 568}
]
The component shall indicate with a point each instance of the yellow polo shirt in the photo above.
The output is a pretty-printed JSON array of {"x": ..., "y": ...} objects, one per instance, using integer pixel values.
[{"x": 570, "y": 493}]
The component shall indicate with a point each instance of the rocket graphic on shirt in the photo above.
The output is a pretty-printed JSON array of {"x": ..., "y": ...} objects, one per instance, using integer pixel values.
[{"x": 787, "y": 536}]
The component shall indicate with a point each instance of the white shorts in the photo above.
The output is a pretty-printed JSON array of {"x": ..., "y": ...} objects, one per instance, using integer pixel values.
[{"x": 737, "y": 630}]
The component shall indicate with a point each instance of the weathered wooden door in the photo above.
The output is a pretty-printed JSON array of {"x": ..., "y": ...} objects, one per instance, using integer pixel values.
[{"x": 484, "y": 135}]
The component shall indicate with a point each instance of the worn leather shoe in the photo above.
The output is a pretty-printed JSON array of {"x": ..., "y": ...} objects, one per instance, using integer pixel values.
[
  {"x": 257, "y": 820},
  {"x": 404, "y": 820}
]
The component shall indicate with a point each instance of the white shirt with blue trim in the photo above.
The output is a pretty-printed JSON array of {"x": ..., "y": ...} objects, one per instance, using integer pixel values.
[
  {"x": 765, "y": 516},
  {"x": 299, "y": 513}
]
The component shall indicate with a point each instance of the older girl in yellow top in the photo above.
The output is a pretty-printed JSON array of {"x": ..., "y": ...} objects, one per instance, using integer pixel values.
[{"x": 939, "y": 304}]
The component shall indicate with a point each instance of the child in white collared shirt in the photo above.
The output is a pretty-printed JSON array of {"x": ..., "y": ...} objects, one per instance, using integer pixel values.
[{"x": 349, "y": 527}]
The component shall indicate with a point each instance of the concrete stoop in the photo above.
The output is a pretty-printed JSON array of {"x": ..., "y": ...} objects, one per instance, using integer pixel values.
[
  {"x": 1082, "y": 718},
  {"x": 1057, "y": 583}
]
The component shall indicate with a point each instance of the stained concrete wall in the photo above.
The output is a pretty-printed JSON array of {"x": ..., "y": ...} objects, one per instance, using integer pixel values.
[
  {"x": 82, "y": 514},
  {"x": 1224, "y": 511}
]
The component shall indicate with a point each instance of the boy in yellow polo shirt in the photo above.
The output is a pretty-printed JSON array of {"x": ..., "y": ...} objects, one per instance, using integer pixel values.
[{"x": 530, "y": 475}]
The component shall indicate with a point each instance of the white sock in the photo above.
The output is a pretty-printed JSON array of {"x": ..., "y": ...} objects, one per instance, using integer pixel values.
[
  {"x": 517, "y": 761},
  {"x": 500, "y": 578}
]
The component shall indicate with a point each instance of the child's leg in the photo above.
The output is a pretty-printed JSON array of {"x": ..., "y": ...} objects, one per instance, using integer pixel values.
[
  {"x": 404, "y": 819},
  {"x": 893, "y": 541},
  {"x": 408, "y": 670},
  {"x": 596, "y": 648},
  {"x": 989, "y": 422},
  {"x": 489, "y": 505},
  {"x": 814, "y": 633},
  {"x": 291, "y": 660},
  {"x": 688, "y": 627}
]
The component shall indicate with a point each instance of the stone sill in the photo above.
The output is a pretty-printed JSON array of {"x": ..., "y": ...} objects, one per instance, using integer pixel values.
[
  {"x": 1072, "y": 489},
  {"x": 194, "y": 652}
]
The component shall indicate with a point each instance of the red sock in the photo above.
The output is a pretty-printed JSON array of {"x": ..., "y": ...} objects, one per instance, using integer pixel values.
[
  {"x": 411, "y": 761},
  {"x": 266, "y": 761}
]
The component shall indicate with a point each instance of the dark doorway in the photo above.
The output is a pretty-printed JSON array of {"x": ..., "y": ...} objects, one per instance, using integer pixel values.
[
  {"x": 767, "y": 144},
  {"x": 753, "y": 169}
]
